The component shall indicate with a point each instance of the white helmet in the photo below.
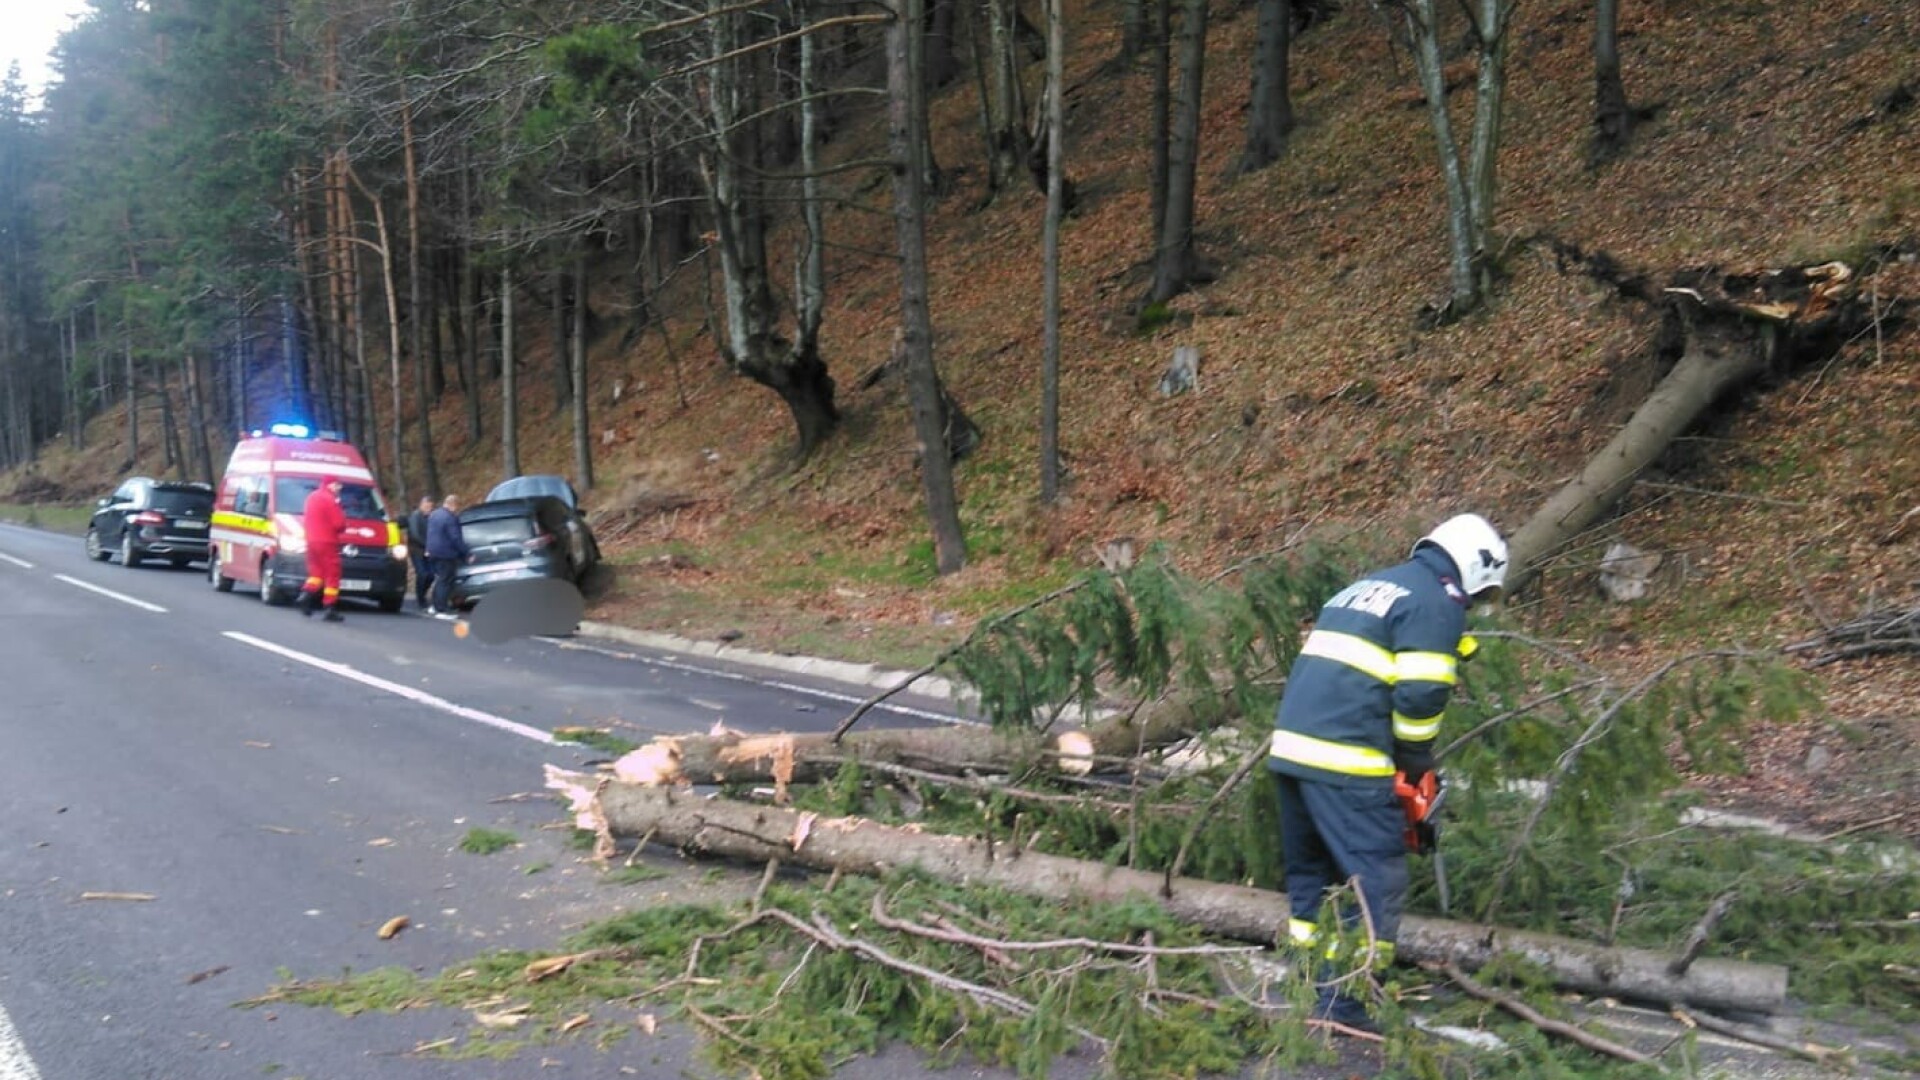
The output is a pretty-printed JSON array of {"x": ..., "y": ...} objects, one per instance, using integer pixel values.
[{"x": 1476, "y": 549}]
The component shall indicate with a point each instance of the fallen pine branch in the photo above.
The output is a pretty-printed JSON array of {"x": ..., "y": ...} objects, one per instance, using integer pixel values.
[
  {"x": 756, "y": 833},
  {"x": 1808, "y": 1051},
  {"x": 1552, "y": 1027}
]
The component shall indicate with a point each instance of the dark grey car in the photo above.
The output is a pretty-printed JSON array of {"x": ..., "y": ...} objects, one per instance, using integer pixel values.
[
  {"x": 146, "y": 518},
  {"x": 518, "y": 538}
]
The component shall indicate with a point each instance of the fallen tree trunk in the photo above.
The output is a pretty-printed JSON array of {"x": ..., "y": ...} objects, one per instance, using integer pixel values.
[
  {"x": 855, "y": 845},
  {"x": 1735, "y": 328},
  {"x": 789, "y": 758}
]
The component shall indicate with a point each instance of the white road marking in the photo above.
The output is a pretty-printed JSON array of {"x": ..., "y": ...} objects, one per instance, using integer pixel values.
[
  {"x": 733, "y": 676},
  {"x": 111, "y": 595},
  {"x": 21, "y": 563},
  {"x": 15, "y": 1064},
  {"x": 417, "y": 696}
]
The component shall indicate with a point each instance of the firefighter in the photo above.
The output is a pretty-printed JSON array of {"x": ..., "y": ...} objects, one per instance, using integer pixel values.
[
  {"x": 1363, "y": 701},
  {"x": 324, "y": 521}
]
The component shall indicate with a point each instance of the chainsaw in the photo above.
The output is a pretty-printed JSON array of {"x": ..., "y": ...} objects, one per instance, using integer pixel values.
[{"x": 1421, "y": 802}]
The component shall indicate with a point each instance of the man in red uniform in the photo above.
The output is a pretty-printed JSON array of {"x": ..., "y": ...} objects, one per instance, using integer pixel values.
[{"x": 324, "y": 521}]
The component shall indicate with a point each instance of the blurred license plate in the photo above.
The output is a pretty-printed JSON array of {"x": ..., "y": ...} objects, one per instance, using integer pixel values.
[
  {"x": 355, "y": 584},
  {"x": 189, "y": 524}
]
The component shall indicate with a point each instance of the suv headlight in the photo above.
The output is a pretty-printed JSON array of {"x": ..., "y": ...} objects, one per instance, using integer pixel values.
[{"x": 399, "y": 551}]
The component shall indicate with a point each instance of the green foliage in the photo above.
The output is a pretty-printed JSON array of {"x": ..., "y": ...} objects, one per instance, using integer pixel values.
[
  {"x": 1144, "y": 631},
  {"x": 487, "y": 841}
]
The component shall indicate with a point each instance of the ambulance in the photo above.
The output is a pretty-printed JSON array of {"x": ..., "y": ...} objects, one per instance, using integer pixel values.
[{"x": 258, "y": 539}]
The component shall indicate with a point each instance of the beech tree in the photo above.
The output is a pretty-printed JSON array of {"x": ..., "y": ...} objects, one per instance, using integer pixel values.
[
  {"x": 1470, "y": 184},
  {"x": 1176, "y": 263},
  {"x": 1270, "y": 109}
]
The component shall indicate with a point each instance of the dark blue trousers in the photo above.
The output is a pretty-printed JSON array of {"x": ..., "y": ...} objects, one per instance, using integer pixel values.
[{"x": 1332, "y": 833}]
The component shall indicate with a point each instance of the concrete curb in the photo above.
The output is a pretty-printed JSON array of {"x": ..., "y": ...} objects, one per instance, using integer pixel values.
[{"x": 840, "y": 671}]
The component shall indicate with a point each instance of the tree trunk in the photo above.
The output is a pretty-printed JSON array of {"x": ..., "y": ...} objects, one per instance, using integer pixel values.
[
  {"x": 800, "y": 758},
  {"x": 755, "y": 832},
  {"x": 1722, "y": 351},
  {"x": 418, "y": 315},
  {"x": 133, "y": 398},
  {"x": 1050, "y": 254},
  {"x": 509, "y": 389},
  {"x": 905, "y": 139},
  {"x": 1730, "y": 337},
  {"x": 1161, "y": 121},
  {"x": 1612, "y": 118},
  {"x": 1133, "y": 29},
  {"x": 562, "y": 371},
  {"x": 1494, "y": 21},
  {"x": 582, "y": 433},
  {"x": 1270, "y": 113},
  {"x": 1423, "y": 33},
  {"x": 1008, "y": 135},
  {"x": 1175, "y": 265}
]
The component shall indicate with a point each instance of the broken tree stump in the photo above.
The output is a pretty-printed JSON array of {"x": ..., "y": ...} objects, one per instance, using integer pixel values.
[{"x": 754, "y": 832}]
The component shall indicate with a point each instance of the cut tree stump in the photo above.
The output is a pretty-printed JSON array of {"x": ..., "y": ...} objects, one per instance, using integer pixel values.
[{"x": 748, "y": 831}]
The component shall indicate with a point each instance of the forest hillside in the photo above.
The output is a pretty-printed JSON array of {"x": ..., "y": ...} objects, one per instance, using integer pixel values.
[{"x": 1771, "y": 137}]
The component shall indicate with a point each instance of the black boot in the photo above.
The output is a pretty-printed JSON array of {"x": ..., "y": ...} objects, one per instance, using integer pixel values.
[
  {"x": 333, "y": 615},
  {"x": 307, "y": 598}
]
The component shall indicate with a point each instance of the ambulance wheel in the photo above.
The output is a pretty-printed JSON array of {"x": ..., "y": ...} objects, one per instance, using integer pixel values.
[
  {"x": 270, "y": 593},
  {"x": 221, "y": 582},
  {"x": 129, "y": 558}
]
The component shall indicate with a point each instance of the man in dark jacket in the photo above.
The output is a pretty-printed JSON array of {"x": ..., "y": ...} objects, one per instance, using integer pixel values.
[
  {"x": 322, "y": 520},
  {"x": 447, "y": 548},
  {"x": 417, "y": 550},
  {"x": 1364, "y": 700}
]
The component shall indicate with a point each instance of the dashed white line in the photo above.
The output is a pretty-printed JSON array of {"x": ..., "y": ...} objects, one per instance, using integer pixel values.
[
  {"x": 111, "y": 595},
  {"x": 419, "y": 697},
  {"x": 15, "y": 1063},
  {"x": 21, "y": 563}
]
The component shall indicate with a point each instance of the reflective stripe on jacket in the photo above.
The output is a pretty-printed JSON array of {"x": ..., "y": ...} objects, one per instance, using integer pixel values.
[{"x": 1377, "y": 668}]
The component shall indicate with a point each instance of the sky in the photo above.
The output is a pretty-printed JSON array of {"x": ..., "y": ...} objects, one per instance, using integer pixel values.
[{"x": 31, "y": 28}]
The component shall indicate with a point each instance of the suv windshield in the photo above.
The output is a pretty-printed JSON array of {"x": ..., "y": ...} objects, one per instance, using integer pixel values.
[
  {"x": 182, "y": 500},
  {"x": 359, "y": 501}
]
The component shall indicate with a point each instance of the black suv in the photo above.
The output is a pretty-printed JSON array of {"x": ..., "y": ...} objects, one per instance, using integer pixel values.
[{"x": 146, "y": 518}]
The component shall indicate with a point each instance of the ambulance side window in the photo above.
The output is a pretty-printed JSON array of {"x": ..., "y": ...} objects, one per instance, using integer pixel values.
[{"x": 252, "y": 497}]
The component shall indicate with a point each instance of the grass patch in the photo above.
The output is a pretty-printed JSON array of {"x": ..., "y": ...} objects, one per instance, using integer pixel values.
[
  {"x": 598, "y": 738},
  {"x": 487, "y": 841},
  {"x": 71, "y": 520}
]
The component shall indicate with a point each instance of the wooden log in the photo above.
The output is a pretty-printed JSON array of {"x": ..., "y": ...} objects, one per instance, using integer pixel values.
[
  {"x": 855, "y": 845},
  {"x": 731, "y": 757}
]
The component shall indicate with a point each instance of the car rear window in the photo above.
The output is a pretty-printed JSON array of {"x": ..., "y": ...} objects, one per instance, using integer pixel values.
[
  {"x": 498, "y": 530},
  {"x": 177, "y": 501}
]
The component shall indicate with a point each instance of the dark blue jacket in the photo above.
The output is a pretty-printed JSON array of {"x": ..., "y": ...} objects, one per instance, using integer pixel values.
[
  {"x": 445, "y": 540},
  {"x": 1368, "y": 690}
]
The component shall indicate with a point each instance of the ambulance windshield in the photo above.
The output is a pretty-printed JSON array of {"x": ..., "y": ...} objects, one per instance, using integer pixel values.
[{"x": 359, "y": 501}]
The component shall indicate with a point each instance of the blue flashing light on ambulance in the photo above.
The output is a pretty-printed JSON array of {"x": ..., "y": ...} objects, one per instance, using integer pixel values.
[{"x": 259, "y": 539}]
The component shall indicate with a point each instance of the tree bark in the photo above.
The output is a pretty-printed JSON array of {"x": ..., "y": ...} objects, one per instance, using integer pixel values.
[
  {"x": 854, "y": 845},
  {"x": 582, "y": 433},
  {"x": 1612, "y": 118},
  {"x": 1175, "y": 264},
  {"x": 509, "y": 389},
  {"x": 1050, "y": 254},
  {"x": 1161, "y": 121},
  {"x": 1270, "y": 113},
  {"x": 809, "y": 757},
  {"x": 905, "y": 139},
  {"x": 418, "y": 315}
]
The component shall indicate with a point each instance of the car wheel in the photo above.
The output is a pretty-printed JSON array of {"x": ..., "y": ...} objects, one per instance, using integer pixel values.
[
  {"x": 269, "y": 590},
  {"x": 129, "y": 558},
  {"x": 94, "y": 550},
  {"x": 221, "y": 582},
  {"x": 391, "y": 604}
]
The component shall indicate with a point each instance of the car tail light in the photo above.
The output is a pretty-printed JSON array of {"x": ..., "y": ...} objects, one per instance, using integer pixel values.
[
  {"x": 537, "y": 542},
  {"x": 149, "y": 517}
]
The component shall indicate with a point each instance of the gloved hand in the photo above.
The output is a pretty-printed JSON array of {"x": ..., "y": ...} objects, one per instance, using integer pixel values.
[
  {"x": 1469, "y": 647},
  {"x": 1413, "y": 760}
]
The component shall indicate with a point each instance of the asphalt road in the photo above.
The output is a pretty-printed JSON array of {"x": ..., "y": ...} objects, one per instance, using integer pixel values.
[{"x": 281, "y": 787}]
